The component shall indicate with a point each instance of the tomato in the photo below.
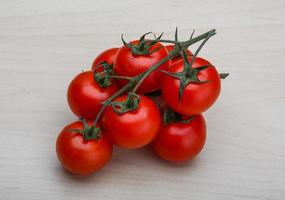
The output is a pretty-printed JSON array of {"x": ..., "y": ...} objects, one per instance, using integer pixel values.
[
  {"x": 135, "y": 128},
  {"x": 179, "y": 57},
  {"x": 128, "y": 64},
  {"x": 179, "y": 141},
  {"x": 197, "y": 97},
  {"x": 107, "y": 56},
  {"x": 81, "y": 156},
  {"x": 85, "y": 96}
]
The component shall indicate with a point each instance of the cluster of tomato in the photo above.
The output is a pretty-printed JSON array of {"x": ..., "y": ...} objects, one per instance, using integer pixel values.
[{"x": 138, "y": 95}]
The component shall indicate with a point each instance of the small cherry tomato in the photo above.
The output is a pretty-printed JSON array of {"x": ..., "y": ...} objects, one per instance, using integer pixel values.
[
  {"x": 179, "y": 57},
  {"x": 197, "y": 97},
  {"x": 128, "y": 64},
  {"x": 81, "y": 156},
  {"x": 179, "y": 141},
  {"x": 135, "y": 128},
  {"x": 85, "y": 96},
  {"x": 107, "y": 56}
]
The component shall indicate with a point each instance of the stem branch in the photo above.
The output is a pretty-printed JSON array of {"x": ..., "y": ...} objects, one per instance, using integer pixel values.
[
  {"x": 120, "y": 77},
  {"x": 172, "y": 54},
  {"x": 120, "y": 92},
  {"x": 136, "y": 81}
]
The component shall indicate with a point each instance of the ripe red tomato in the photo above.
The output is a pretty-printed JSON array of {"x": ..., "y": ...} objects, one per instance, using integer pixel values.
[
  {"x": 107, "y": 56},
  {"x": 79, "y": 156},
  {"x": 179, "y": 141},
  {"x": 128, "y": 64},
  {"x": 135, "y": 128},
  {"x": 197, "y": 97},
  {"x": 179, "y": 57},
  {"x": 85, "y": 96}
]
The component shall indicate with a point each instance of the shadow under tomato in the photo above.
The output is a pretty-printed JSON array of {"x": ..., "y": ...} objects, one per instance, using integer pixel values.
[
  {"x": 156, "y": 159},
  {"x": 68, "y": 176},
  {"x": 125, "y": 161},
  {"x": 146, "y": 158}
]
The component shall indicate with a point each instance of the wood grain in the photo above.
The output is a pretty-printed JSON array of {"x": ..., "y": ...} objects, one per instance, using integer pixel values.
[{"x": 43, "y": 44}]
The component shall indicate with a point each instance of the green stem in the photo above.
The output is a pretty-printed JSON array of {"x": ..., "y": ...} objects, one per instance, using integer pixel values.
[
  {"x": 172, "y": 54},
  {"x": 120, "y": 77},
  {"x": 160, "y": 40},
  {"x": 188, "y": 67},
  {"x": 120, "y": 92},
  {"x": 188, "y": 43},
  {"x": 140, "y": 78}
]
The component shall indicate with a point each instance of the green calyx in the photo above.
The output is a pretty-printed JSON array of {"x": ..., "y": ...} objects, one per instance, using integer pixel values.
[
  {"x": 88, "y": 132},
  {"x": 170, "y": 116},
  {"x": 190, "y": 74},
  {"x": 131, "y": 103},
  {"x": 104, "y": 65},
  {"x": 103, "y": 78},
  {"x": 224, "y": 75},
  {"x": 143, "y": 47},
  {"x": 187, "y": 78}
]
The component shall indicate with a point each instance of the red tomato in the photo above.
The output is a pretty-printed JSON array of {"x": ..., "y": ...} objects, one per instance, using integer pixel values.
[
  {"x": 179, "y": 57},
  {"x": 179, "y": 141},
  {"x": 135, "y": 128},
  {"x": 85, "y": 96},
  {"x": 107, "y": 56},
  {"x": 197, "y": 97},
  {"x": 79, "y": 156},
  {"x": 128, "y": 64}
]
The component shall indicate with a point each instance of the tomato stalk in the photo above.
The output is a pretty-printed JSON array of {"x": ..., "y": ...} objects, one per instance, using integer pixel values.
[
  {"x": 189, "y": 74},
  {"x": 174, "y": 53},
  {"x": 143, "y": 46},
  {"x": 111, "y": 98},
  {"x": 188, "y": 70},
  {"x": 120, "y": 77},
  {"x": 135, "y": 82}
]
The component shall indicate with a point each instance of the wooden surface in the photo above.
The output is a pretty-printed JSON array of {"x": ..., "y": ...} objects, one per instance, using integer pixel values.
[{"x": 43, "y": 44}]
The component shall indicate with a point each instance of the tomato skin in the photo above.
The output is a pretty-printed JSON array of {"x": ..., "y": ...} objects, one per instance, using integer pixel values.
[
  {"x": 180, "y": 142},
  {"x": 85, "y": 96},
  {"x": 107, "y": 56},
  {"x": 133, "y": 129},
  {"x": 179, "y": 57},
  {"x": 128, "y": 64},
  {"x": 79, "y": 156},
  {"x": 197, "y": 97}
]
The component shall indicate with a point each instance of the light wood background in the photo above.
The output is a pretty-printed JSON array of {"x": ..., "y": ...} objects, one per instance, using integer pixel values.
[{"x": 43, "y": 44}]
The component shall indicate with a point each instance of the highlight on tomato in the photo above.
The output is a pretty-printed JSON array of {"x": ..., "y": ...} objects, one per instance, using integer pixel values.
[
  {"x": 201, "y": 88},
  {"x": 180, "y": 141},
  {"x": 79, "y": 154},
  {"x": 85, "y": 96},
  {"x": 107, "y": 56},
  {"x": 137, "y": 57},
  {"x": 135, "y": 128},
  {"x": 166, "y": 88}
]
